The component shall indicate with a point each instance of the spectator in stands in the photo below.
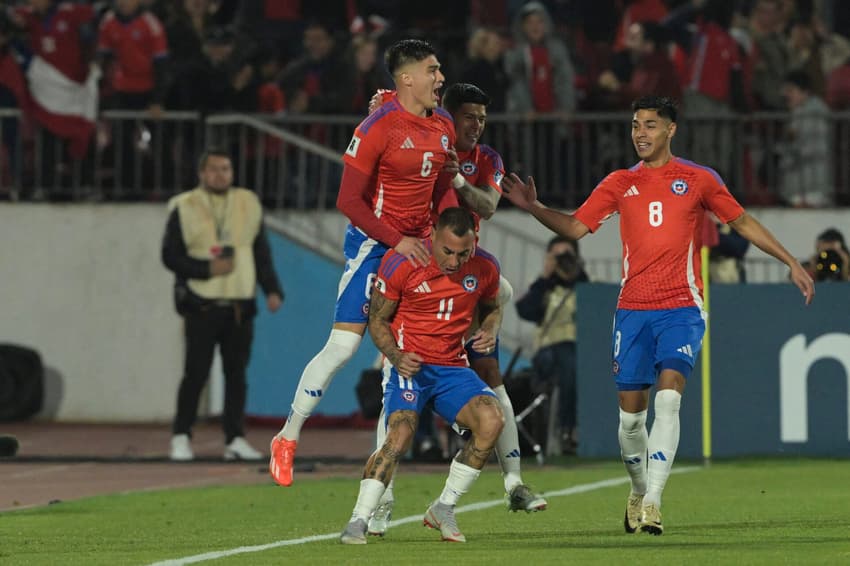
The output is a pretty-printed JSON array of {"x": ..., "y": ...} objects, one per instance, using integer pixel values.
[
  {"x": 772, "y": 58},
  {"x": 485, "y": 67},
  {"x": 133, "y": 42},
  {"x": 368, "y": 74},
  {"x": 637, "y": 11},
  {"x": 62, "y": 82},
  {"x": 652, "y": 71},
  {"x": 838, "y": 87},
  {"x": 714, "y": 83},
  {"x": 216, "y": 245},
  {"x": 185, "y": 30},
  {"x": 539, "y": 69},
  {"x": 550, "y": 303},
  {"x": 806, "y": 157},
  {"x": 218, "y": 81},
  {"x": 311, "y": 82}
]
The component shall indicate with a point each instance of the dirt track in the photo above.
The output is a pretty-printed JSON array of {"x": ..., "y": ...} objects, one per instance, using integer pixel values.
[{"x": 70, "y": 461}]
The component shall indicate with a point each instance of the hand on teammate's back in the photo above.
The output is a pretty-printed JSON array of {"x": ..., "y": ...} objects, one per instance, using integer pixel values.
[{"x": 414, "y": 250}]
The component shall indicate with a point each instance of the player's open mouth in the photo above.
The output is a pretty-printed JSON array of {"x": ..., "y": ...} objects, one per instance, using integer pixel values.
[{"x": 643, "y": 146}]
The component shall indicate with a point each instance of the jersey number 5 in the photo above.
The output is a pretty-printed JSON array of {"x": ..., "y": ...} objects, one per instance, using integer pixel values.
[
  {"x": 656, "y": 216},
  {"x": 427, "y": 166}
]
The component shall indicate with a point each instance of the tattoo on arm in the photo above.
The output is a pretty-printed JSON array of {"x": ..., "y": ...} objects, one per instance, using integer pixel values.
[
  {"x": 483, "y": 200},
  {"x": 381, "y": 312}
]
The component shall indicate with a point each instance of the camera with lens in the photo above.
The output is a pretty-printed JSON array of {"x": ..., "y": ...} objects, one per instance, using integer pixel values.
[
  {"x": 829, "y": 266},
  {"x": 566, "y": 266}
]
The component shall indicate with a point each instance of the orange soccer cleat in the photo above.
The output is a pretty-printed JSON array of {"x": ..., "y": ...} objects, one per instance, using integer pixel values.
[{"x": 280, "y": 464}]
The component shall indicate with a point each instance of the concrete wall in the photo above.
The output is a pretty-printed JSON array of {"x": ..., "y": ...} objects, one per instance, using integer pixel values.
[{"x": 84, "y": 286}]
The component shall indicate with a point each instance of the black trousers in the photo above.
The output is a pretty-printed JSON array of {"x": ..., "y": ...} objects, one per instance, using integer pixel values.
[{"x": 222, "y": 326}]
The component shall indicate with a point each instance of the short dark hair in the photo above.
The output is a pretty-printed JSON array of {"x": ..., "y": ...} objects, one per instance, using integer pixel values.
[
  {"x": 406, "y": 51},
  {"x": 562, "y": 240},
  {"x": 463, "y": 93},
  {"x": 832, "y": 235},
  {"x": 211, "y": 152},
  {"x": 664, "y": 105},
  {"x": 457, "y": 219},
  {"x": 799, "y": 79}
]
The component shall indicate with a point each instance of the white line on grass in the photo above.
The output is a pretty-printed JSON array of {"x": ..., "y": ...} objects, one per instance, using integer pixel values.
[{"x": 583, "y": 488}]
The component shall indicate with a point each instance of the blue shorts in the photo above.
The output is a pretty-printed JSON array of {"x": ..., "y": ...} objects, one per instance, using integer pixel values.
[
  {"x": 646, "y": 342},
  {"x": 473, "y": 355},
  {"x": 362, "y": 258},
  {"x": 447, "y": 388}
]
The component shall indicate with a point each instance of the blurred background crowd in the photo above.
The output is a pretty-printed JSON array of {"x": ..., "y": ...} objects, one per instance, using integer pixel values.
[{"x": 773, "y": 75}]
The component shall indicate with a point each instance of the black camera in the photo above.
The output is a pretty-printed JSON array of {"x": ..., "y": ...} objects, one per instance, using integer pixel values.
[
  {"x": 226, "y": 251},
  {"x": 829, "y": 266},
  {"x": 567, "y": 264}
]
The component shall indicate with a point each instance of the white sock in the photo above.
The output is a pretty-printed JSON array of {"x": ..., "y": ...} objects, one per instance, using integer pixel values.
[
  {"x": 663, "y": 442},
  {"x": 461, "y": 477},
  {"x": 633, "y": 442},
  {"x": 507, "y": 445},
  {"x": 367, "y": 499},
  {"x": 316, "y": 377}
]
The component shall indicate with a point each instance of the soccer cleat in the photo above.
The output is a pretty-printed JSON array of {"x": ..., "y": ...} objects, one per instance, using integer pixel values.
[
  {"x": 521, "y": 498},
  {"x": 354, "y": 533},
  {"x": 650, "y": 520},
  {"x": 280, "y": 463},
  {"x": 379, "y": 519},
  {"x": 634, "y": 508},
  {"x": 239, "y": 449},
  {"x": 442, "y": 517},
  {"x": 181, "y": 448}
]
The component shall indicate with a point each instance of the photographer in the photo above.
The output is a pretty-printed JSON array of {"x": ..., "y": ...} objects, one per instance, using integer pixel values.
[
  {"x": 831, "y": 261},
  {"x": 550, "y": 303}
]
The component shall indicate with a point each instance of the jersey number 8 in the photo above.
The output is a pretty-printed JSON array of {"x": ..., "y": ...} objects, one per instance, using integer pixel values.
[{"x": 656, "y": 217}]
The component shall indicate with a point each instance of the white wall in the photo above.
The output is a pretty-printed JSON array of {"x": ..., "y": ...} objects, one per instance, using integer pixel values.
[{"x": 85, "y": 287}]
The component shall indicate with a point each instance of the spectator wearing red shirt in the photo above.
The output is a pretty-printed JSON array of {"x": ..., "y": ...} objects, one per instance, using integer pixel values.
[
  {"x": 838, "y": 87},
  {"x": 539, "y": 69},
  {"x": 135, "y": 42}
]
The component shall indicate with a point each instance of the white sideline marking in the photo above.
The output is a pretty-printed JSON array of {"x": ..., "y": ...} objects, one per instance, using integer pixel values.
[{"x": 583, "y": 488}]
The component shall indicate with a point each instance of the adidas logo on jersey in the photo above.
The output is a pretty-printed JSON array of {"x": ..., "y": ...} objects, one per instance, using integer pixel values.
[
  {"x": 408, "y": 143},
  {"x": 632, "y": 192},
  {"x": 686, "y": 349},
  {"x": 423, "y": 288}
]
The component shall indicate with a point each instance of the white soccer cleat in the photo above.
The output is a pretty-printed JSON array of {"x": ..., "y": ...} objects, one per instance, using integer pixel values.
[
  {"x": 239, "y": 449},
  {"x": 442, "y": 517},
  {"x": 181, "y": 448},
  {"x": 354, "y": 533},
  {"x": 379, "y": 521}
]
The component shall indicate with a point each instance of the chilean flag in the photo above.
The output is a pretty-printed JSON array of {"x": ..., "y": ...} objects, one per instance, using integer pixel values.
[{"x": 65, "y": 107}]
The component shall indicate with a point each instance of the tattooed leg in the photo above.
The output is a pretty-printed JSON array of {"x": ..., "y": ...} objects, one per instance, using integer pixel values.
[
  {"x": 483, "y": 416},
  {"x": 401, "y": 429}
]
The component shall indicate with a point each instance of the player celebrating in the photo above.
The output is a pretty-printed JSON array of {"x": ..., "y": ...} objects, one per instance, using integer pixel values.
[
  {"x": 387, "y": 191},
  {"x": 659, "y": 323},
  {"x": 418, "y": 319},
  {"x": 477, "y": 183}
]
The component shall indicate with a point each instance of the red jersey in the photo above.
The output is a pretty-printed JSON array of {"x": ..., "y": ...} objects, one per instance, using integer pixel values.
[
  {"x": 404, "y": 153},
  {"x": 711, "y": 62},
  {"x": 434, "y": 309},
  {"x": 135, "y": 43},
  {"x": 56, "y": 37},
  {"x": 481, "y": 167},
  {"x": 661, "y": 216}
]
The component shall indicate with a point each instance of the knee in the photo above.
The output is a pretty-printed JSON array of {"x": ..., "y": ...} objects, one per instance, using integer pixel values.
[
  {"x": 490, "y": 424},
  {"x": 631, "y": 423},
  {"x": 667, "y": 403},
  {"x": 342, "y": 345}
]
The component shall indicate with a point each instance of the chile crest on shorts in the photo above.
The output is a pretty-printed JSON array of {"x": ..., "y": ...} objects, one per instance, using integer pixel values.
[
  {"x": 470, "y": 283},
  {"x": 409, "y": 396}
]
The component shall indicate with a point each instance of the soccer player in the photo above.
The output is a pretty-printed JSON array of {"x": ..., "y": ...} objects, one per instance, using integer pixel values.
[
  {"x": 659, "y": 323},
  {"x": 387, "y": 191},
  {"x": 477, "y": 184},
  {"x": 418, "y": 319}
]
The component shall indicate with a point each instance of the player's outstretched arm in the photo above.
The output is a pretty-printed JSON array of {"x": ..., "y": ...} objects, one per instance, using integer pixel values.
[
  {"x": 752, "y": 229},
  {"x": 381, "y": 312},
  {"x": 524, "y": 196}
]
